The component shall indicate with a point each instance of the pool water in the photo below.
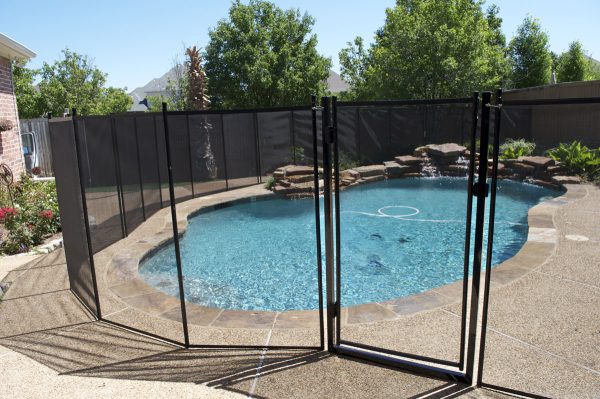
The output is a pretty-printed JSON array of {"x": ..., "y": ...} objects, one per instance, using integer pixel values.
[{"x": 398, "y": 238}]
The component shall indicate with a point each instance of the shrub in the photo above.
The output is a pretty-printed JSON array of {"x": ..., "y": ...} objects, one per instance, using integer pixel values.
[
  {"x": 33, "y": 217},
  {"x": 5, "y": 125},
  {"x": 578, "y": 159},
  {"x": 346, "y": 161},
  {"x": 298, "y": 155},
  {"x": 513, "y": 149},
  {"x": 270, "y": 183},
  {"x": 490, "y": 150}
]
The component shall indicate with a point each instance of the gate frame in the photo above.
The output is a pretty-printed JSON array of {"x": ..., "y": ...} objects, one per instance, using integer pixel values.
[{"x": 333, "y": 259}]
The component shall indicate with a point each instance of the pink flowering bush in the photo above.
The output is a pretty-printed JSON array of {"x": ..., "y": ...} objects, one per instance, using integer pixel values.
[{"x": 33, "y": 217}]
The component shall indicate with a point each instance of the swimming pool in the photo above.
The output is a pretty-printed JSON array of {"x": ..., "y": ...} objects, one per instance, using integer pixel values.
[{"x": 398, "y": 238}]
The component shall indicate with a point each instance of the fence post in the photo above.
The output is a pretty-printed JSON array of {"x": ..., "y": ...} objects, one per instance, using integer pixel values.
[
  {"x": 175, "y": 229},
  {"x": 139, "y": 165},
  {"x": 120, "y": 195},
  {"x": 157, "y": 162},
  {"x": 491, "y": 220},
  {"x": 187, "y": 124},
  {"x": 480, "y": 189},
  {"x": 224, "y": 152}
]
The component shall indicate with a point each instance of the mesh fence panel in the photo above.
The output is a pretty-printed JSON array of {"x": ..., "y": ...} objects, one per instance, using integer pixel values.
[
  {"x": 540, "y": 316},
  {"x": 407, "y": 129},
  {"x": 71, "y": 211},
  {"x": 149, "y": 166},
  {"x": 208, "y": 161},
  {"x": 303, "y": 137},
  {"x": 129, "y": 167},
  {"x": 180, "y": 156},
  {"x": 275, "y": 134},
  {"x": 99, "y": 174},
  {"x": 240, "y": 147}
]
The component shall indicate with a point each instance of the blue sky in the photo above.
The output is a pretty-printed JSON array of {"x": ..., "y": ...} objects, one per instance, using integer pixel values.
[{"x": 135, "y": 41}]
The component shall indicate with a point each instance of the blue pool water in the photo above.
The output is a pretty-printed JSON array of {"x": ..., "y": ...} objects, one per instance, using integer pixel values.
[{"x": 398, "y": 237}]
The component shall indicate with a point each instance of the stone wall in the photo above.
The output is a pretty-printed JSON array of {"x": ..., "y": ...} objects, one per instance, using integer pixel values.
[
  {"x": 11, "y": 151},
  {"x": 427, "y": 161}
]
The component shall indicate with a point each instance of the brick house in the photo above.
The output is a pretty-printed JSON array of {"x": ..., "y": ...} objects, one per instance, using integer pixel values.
[{"x": 11, "y": 151}]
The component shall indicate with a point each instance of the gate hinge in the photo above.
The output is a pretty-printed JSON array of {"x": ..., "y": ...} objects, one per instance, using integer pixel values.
[
  {"x": 331, "y": 134},
  {"x": 475, "y": 190}
]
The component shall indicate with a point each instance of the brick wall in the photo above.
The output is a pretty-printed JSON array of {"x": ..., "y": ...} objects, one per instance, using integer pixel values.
[{"x": 11, "y": 151}]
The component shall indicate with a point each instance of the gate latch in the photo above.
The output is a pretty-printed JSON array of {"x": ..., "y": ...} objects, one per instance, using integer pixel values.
[{"x": 475, "y": 190}]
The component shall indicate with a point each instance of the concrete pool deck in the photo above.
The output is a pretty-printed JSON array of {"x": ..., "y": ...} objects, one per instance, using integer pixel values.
[{"x": 543, "y": 336}]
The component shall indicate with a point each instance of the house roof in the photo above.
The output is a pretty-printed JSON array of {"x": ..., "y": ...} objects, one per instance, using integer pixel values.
[
  {"x": 12, "y": 49},
  {"x": 336, "y": 84}
]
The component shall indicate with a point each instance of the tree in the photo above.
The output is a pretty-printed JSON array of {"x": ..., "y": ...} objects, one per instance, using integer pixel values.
[
  {"x": 530, "y": 58},
  {"x": 74, "y": 82},
  {"x": 28, "y": 98},
  {"x": 573, "y": 65},
  {"x": 262, "y": 56},
  {"x": 196, "y": 77},
  {"x": 428, "y": 49}
]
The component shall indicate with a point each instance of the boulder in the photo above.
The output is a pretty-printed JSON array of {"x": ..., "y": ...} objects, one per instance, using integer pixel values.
[
  {"x": 408, "y": 160},
  {"x": 523, "y": 169},
  {"x": 300, "y": 178},
  {"x": 373, "y": 178},
  {"x": 566, "y": 179},
  {"x": 371, "y": 170},
  {"x": 538, "y": 162},
  {"x": 420, "y": 151},
  {"x": 352, "y": 173},
  {"x": 295, "y": 170},
  {"x": 556, "y": 169},
  {"x": 447, "y": 150}
]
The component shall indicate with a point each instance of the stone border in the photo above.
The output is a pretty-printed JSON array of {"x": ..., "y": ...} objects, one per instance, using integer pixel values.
[{"x": 123, "y": 280}]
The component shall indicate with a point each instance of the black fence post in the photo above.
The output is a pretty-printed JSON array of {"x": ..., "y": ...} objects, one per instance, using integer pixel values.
[
  {"x": 157, "y": 162},
  {"x": 317, "y": 192},
  {"x": 120, "y": 195},
  {"x": 224, "y": 152},
  {"x": 139, "y": 166},
  {"x": 469, "y": 217},
  {"x": 329, "y": 250},
  {"x": 189, "y": 143},
  {"x": 257, "y": 138},
  {"x": 491, "y": 220},
  {"x": 480, "y": 189},
  {"x": 338, "y": 252},
  {"x": 86, "y": 220},
  {"x": 175, "y": 228}
]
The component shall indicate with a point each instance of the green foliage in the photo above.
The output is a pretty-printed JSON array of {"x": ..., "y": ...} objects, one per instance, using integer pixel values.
[
  {"x": 74, "y": 82},
  {"x": 346, "y": 161},
  {"x": 490, "y": 150},
  {"x": 270, "y": 183},
  {"x": 33, "y": 217},
  {"x": 28, "y": 98},
  {"x": 428, "y": 49},
  {"x": 573, "y": 65},
  {"x": 513, "y": 149},
  {"x": 530, "y": 57},
  {"x": 578, "y": 159},
  {"x": 298, "y": 155},
  {"x": 263, "y": 56}
]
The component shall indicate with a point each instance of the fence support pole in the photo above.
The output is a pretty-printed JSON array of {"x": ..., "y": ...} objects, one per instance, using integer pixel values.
[
  {"x": 491, "y": 220},
  {"x": 318, "y": 220},
  {"x": 469, "y": 218},
  {"x": 480, "y": 189},
  {"x": 175, "y": 229},
  {"x": 86, "y": 220},
  {"x": 139, "y": 166}
]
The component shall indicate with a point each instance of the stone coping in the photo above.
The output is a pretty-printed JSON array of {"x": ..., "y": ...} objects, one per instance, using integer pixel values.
[{"x": 122, "y": 278}]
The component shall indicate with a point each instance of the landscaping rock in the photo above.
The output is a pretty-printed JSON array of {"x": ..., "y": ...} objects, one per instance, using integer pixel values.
[
  {"x": 566, "y": 179},
  {"x": 524, "y": 169},
  {"x": 371, "y": 170},
  {"x": 373, "y": 178},
  {"x": 538, "y": 162},
  {"x": 420, "y": 151},
  {"x": 556, "y": 169},
  {"x": 294, "y": 170},
  {"x": 408, "y": 160},
  {"x": 447, "y": 150},
  {"x": 300, "y": 178}
]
